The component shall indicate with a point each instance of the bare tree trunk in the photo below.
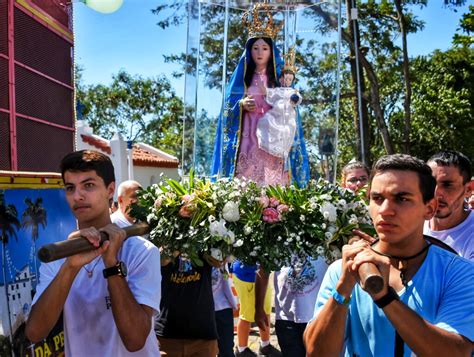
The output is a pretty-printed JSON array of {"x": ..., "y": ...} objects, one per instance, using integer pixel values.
[
  {"x": 360, "y": 121},
  {"x": 406, "y": 76},
  {"x": 372, "y": 77}
]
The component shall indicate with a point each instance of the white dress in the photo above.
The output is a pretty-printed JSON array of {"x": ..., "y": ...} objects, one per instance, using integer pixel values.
[{"x": 276, "y": 129}]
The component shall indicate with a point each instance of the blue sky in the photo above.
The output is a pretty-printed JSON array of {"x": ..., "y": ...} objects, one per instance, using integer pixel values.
[{"x": 130, "y": 39}]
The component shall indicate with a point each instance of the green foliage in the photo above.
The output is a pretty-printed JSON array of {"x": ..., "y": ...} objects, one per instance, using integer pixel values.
[
  {"x": 466, "y": 26},
  {"x": 145, "y": 109},
  {"x": 443, "y": 102}
]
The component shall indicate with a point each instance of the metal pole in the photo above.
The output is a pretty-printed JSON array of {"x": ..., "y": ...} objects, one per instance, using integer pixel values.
[
  {"x": 354, "y": 17},
  {"x": 196, "y": 97},
  {"x": 224, "y": 79},
  {"x": 338, "y": 88}
]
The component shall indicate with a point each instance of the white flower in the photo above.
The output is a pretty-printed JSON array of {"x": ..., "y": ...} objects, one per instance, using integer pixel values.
[
  {"x": 230, "y": 212},
  {"x": 216, "y": 254},
  {"x": 353, "y": 221},
  {"x": 253, "y": 253},
  {"x": 323, "y": 226},
  {"x": 239, "y": 243},
  {"x": 302, "y": 218},
  {"x": 218, "y": 229},
  {"x": 247, "y": 230},
  {"x": 332, "y": 229},
  {"x": 328, "y": 235},
  {"x": 211, "y": 218},
  {"x": 329, "y": 211},
  {"x": 320, "y": 250}
]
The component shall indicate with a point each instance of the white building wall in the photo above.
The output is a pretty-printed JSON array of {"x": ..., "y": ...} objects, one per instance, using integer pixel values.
[{"x": 150, "y": 175}]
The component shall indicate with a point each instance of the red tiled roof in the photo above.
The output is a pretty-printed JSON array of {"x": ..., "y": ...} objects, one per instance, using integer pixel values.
[
  {"x": 98, "y": 143},
  {"x": 142, "y": 157}
]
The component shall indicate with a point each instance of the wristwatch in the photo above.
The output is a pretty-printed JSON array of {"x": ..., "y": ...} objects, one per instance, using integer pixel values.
[
  {"x": 390, "y": 296},
  {"x": 119, "y": 269}
]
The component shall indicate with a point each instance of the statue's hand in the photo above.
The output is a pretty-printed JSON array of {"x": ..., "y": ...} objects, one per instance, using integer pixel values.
[{"x": 248, "y": 103}]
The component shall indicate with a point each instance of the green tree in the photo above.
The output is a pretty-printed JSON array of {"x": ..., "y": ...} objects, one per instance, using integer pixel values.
[
  {"x": 138, "y": 108},
  {"x": 9, "y": 224},
  {"x": 443, "y": 102},
  {"x": 32, "y": 218}
]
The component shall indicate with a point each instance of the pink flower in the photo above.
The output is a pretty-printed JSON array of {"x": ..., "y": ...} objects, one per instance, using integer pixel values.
[
  {"x": 158, "y": 203},
  {"x": 187, "y": 198},
  {"x": 264, "y": 201},
  {"x": 186, "y": 211},
  {"x": 274, "y": 202},
  {"x": 271, "y": 215},
  {"x": 282, "y": 208}
]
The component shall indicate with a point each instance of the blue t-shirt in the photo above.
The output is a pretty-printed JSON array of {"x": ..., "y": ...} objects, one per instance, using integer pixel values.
[
  {"x": 247, "y": 273},
  {"x": 441, "y": 292}
]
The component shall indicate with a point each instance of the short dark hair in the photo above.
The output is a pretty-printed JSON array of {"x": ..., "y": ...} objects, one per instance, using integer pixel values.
[
  {"x": 89, "y": 160},
  {"x": 456, "y": 159},
  {"x": 402, "y": 162}
]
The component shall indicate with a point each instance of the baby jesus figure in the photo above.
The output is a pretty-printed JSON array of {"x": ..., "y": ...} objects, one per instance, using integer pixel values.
[{"x": 276, "y": 129}]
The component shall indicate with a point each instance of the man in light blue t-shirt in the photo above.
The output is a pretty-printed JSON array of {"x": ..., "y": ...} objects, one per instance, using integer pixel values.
[{"x": 426, "y": 306}]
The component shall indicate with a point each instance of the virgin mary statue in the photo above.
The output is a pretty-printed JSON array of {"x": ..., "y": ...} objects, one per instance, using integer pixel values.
[{"x": 236, "y": 149}]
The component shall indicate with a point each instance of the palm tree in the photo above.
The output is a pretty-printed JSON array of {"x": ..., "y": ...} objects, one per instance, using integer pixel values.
[
  {"x": 9, "y": 224},
  {"x": 33, "y": 216}
]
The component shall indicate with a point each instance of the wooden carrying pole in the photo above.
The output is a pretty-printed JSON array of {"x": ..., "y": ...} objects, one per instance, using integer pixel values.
[
  {"x": 66, "y": 248},
  {"x": 370, "y": 278}
]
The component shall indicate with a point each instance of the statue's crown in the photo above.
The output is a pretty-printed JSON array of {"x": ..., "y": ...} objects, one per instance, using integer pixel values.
[
  {"x": 259, "y": 22},
  {"x": 290, "y": 59}
]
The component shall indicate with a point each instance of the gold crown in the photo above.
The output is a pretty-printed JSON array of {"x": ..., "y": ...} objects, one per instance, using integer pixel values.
[
  {"x": 259, "y": 22},
  {"x": 290, "y": 59}
]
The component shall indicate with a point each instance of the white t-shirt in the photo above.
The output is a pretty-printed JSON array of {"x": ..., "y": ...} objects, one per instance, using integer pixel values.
[
  {"x": 89, "y": 327},
  {"x": 119, "y": 219},
  {"x": 296, "y": 289},
  {"x": 460, "y": 238}
]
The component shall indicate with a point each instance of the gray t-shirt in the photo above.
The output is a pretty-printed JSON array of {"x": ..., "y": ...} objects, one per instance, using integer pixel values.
[{"x": 296, "y": 288}]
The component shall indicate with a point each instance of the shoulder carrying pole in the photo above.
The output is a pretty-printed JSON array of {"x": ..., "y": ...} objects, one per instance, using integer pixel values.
[{"x": 66, "y": 248}]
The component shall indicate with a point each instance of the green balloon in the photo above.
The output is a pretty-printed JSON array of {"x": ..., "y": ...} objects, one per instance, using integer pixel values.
[{"x": 104, "y": 6}]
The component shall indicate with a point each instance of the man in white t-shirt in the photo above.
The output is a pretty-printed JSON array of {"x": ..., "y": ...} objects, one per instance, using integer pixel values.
[
  {"x": 108, "y": 296},
  {"x": 126, "y": 196},
  {"x": 451, "y": 223}
]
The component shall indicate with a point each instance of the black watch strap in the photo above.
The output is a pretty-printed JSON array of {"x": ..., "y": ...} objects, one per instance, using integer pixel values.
[
  {"x": 119, "y": 269},
  {"x": 390, "y": 296}
]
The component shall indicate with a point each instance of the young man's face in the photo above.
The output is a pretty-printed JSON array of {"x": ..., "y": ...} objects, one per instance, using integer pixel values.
[
  {"x": 87, "y": 195},
  {"x": 450, "y": 190},
  {"x": 396, "y": 206}
]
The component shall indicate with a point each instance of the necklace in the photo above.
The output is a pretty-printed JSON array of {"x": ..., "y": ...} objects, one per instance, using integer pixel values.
[
  {"x": 90, "y": 273},
  {"x": 402, "y": 261}
]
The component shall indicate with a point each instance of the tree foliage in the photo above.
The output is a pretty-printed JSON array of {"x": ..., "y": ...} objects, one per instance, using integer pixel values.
[{"x": 138, "y": 108}]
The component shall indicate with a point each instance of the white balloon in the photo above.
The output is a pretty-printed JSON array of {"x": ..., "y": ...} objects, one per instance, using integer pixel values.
[{"x": 104, "y": 6}]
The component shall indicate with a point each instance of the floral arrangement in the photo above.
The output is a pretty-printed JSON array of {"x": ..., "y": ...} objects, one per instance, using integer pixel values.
[{"x": 264, "y": 225}]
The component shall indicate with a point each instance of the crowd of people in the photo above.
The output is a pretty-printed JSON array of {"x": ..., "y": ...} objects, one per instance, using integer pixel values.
[{"x": 122, "y": 299}]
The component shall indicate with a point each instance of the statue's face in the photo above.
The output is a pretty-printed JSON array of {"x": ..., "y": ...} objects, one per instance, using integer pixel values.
[
  {"x": 261, "y": 52},
  {"x": 286, "y": 79}
]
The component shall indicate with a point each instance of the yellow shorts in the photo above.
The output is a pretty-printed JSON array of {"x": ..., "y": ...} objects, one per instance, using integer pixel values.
[{"x": 246, "y": 294}]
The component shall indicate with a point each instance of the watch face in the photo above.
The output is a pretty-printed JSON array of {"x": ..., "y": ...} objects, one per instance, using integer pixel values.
[{"x": 123, "y": 269}]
